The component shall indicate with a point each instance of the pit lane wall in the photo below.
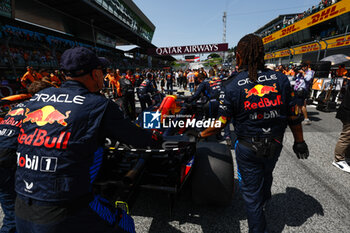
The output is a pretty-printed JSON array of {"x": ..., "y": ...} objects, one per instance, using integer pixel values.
[{"x": 323, "y": 46}]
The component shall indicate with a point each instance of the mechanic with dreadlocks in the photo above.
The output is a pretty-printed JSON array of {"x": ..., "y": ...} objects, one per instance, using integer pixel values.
[{"x": 261, "y": 104}]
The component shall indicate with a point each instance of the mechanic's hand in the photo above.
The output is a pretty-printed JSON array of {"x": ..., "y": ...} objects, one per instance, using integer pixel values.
[
  {"x": 301, "y": 150},
  {"x": 193, "y": 135}
]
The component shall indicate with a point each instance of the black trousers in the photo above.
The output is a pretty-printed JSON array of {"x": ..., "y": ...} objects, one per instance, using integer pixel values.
[{"x": 128, "y": 106}]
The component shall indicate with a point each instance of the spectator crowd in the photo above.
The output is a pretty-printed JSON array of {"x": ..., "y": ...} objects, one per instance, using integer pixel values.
[
  {"x": 20, "y": 48},
  {"x": 286, "y": 22}
]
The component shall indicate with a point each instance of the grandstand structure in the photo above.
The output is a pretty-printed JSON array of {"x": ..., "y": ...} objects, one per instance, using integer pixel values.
[
  {"x": 36, "y": 32},
  {"x": 308, "y": 36}
]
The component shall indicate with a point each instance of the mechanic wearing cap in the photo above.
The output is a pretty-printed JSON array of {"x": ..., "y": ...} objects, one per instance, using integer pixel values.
[
  {"x": 59, "y": 152},
  {"x": 9, "y": 130},
  {"x": 146, "y": 90},
  {"x": 169, "y": 82},
  {"x": 261, "y": 104}
]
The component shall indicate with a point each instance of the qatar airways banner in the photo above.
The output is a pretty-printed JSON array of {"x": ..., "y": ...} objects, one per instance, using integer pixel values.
[{"x": 176, "y": 50}]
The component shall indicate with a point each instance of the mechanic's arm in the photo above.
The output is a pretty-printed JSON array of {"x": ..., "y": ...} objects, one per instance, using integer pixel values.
[
  {"x": 197, "y": 94},
  {"x": 115, "y": 126},
  {"x": 225, "y": 111},
  {"x": 294, "y": 116},
  {"x": 294, "y": 121},
  {"x": 151, "y": 88},
  {"x": 299, "y": 147},
  {"x": 212, "y": 130},
  {"x": 297, "y": 131}
]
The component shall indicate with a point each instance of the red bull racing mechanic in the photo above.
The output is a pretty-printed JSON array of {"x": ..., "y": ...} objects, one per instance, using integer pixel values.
[
  {"x": 261, "y": 104},
  {"x": 9, "y": 128},
  {"x": 59, "y": 152}
]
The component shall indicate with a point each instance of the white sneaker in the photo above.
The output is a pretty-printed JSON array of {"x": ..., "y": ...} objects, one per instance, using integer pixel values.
[
  {"x": 342, "y": 165},
  {"x": 307, "y": 121}
]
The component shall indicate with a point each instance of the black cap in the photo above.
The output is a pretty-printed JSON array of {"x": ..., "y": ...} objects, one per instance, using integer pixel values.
[{"x": 79, "y": 61}]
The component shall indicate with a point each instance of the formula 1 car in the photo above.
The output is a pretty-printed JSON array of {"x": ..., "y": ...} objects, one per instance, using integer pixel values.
[
  {"x": 207, "y": 165},
  {"x": 125, "y": 170}
]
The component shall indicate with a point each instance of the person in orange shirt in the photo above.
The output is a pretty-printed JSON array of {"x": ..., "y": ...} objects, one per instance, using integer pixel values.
[
  {"x": 117, "y": 75},
  {"x": 112, "y": 78},
  {"x": 55, "y": 79},
  {"x": 38, "y": 75},
  {"x": 130, "y": 77},
  {"x": 196, "y": 73},
  {"x": 290, "y": 72},
  {"x": 341, "y": 71},
  {"x": 44, "y": 73},
  {"x": 196, "y": 81},
  {"x": 28, "y": 77}
]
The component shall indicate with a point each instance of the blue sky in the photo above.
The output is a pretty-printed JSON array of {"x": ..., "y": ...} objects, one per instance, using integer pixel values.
[{"x": 193, "y": 22}]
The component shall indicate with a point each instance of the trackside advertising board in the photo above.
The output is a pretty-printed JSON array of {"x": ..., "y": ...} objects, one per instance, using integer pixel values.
[
  {"x": 327, "y": 44},
  {"x": 176, "y": 50},
  {"x": 319, "y": 17}
]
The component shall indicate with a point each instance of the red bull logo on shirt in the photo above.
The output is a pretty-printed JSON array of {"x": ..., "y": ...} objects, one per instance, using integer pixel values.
[
  {"x": 16, "y": 112},
  {"x": 41, "y": 137},
  {"x": 261, "y": 90},
  {"x": 47, "y": 114},
  {"x": 263, "y": 103}
]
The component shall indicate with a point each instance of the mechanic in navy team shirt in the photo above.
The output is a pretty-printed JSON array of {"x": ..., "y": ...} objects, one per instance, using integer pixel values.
[
  {"x": 60, "y": 152},
  {"x": 225, "y": 82},
  {"x": 261, "y": 104},
  {"x": 9, "y": 130},
  {"x": 210, "y": 88},
  {"x": 146, "y": 90},
  {"x": 169, "y": 82}
]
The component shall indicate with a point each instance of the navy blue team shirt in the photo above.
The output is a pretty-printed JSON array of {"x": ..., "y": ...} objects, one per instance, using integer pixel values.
[{"x": 259, "y": 109}]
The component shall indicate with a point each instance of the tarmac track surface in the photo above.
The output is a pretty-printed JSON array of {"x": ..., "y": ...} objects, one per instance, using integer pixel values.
[{"x": 308, "y": 195}]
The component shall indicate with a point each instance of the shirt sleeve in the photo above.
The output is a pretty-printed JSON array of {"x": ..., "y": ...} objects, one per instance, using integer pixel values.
[
  {"x": 198, "y": 92},
  {"x": 228, "y": 102},
  {"x": 115, "y": 126},
  {"x": 290, "y": 98}
]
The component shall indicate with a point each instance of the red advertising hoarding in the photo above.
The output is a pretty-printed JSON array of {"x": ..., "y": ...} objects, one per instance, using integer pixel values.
[{"x": 177, "y": 50}]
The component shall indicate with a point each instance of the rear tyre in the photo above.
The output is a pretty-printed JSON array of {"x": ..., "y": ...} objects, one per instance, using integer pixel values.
[{"x": 212, "y": 175}]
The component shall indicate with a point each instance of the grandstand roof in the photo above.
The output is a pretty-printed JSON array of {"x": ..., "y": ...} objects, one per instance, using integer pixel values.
[{"x": 86, "y": 10}]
